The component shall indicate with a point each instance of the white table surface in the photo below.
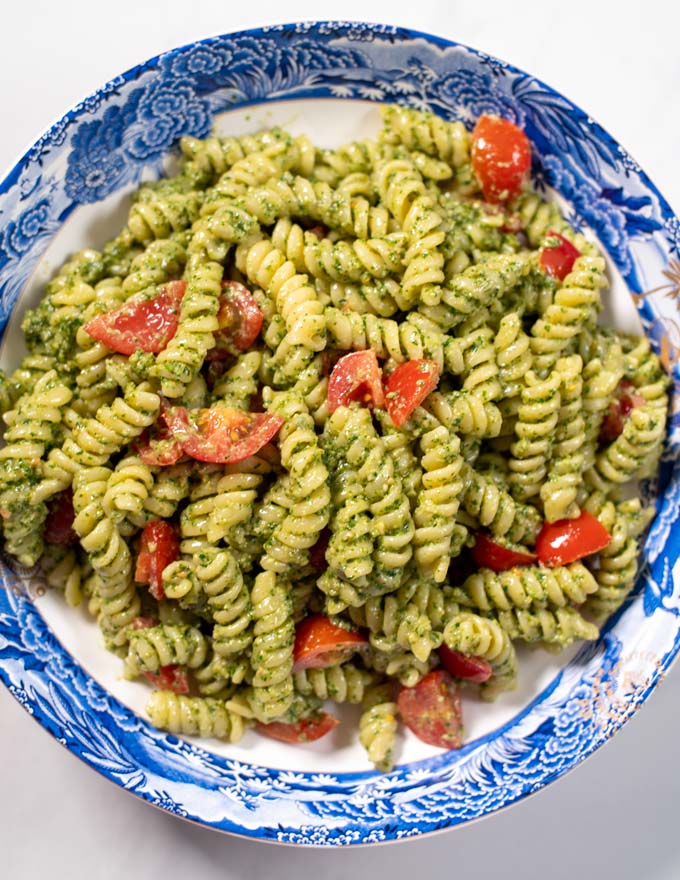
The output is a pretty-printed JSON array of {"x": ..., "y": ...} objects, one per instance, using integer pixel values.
[{"x": 614, "y": 817}]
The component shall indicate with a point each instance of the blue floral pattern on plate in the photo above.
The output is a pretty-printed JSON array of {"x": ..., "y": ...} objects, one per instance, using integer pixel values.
[{"x": 123, "y": 132}]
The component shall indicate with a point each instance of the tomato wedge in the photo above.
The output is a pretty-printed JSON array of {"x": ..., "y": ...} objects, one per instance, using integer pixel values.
[
  {"x": 158, "y": 449},
  {"x": 557, "y": 258},
  {"x": 568, "y": 540},
  {"x": 319, "y": 642},
  {"x": 146, "y": 324},
  {"x": 59, "y": 523},
  {"x": 305, "y": 730},
  {"x": 159, "y": 546},
  {"x": 240, "y": 321},
  {"x": 467, "y": 666},
  {"x": 408, "y": 386},
  {"x": 501, "y": 157},
  {"x": 356, "y": 376},
  {"x": 626, "y": 398},
  {"x": 432, "y": 710},
  {"x": 170, "y": 678},
  {"x": 490, "y": 554},
  {"x": 221, "y": 434}
]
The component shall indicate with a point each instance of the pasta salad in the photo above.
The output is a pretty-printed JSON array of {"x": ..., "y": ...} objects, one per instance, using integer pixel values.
[{"x": 333, "y": 425}]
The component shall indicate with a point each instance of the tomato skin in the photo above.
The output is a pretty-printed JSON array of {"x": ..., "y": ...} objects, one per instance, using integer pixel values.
[
  {"x": 489, "y": 554},
  {"x": 569, "y": 540},
  {"x": 501, "y": 157},
  {"x": 432, "y": 710},
  {"x": 626, "y": 398},
  {"x": 319, "y": 643},
  {"x": 408, "y": 386},
  {"x": 147, "y": 324},
  {"x": 356, "y": 376},
  {"x": 159, "y": 449},
  {"x": 58, "y": 527},
  {"x": 558, "y": 260},
  {"x": 170, "y": 678},
  {"x": 467, "y": 666},
  {"x": 303, "y": 731},
  {"x": 221, "y": 434},
  {"x": 159, "y": 546},
  {"x": 240, "y": 321}
]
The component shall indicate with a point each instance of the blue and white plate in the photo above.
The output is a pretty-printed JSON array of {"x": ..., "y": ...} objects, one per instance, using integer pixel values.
[{"x": 72, "y": 189}]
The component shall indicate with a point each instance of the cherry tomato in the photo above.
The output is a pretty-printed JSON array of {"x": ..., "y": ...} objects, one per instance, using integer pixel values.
[
  {"x": 408, "y": 386},
  {"x": 356, "y": 376},
  {"x": 432, "y": 710},
  {"x": 319, "y": 642},
  {"x": 626, "y": 398},
  {"x": 159, "y": 448},
  {"x": 221, "y": 434},
  {"x": 466, "y": 666},
  {"x": 306, "y": 730},
  {"x": 317, "y": 555},
  {"x": 146, "y": 324},
  {"x": 59, "y": 523},
  {"x": 557, "y": 258},
  {"x": 567, "y": 540},
  {"x": 159, "y": 546},
  {"x": 501, "y": 158},
  {"x": 490, "y": 554},
  {"x": 240, "y": 321},
  {"x": 170, "y": 678}
]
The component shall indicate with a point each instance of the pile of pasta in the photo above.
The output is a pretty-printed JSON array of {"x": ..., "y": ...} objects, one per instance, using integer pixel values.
[{"x": 384, "y": 244}]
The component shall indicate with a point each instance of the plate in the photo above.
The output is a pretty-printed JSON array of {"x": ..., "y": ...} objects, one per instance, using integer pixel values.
[{"x": 326, "y": 79}]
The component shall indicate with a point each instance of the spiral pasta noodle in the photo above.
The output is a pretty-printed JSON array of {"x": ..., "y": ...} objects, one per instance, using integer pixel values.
[
  {"x": 560, "y": 489},
  {"x": 576, "y": 303},
  {"x": 118, "y": 600},
  {"x": 162, "y": 260},
  {"x": 309, "y": 494},
  {"x": 536, "y": 421},
  {"x": 63, "y": 571},
  {"x": 363, "y": 449},
  {"x": 378, "y": 728},
  {"x": 218, "y": 575},
  {"x": 165, "y": 645},
  {"x": 479, "y": 636},
  {"x": 396, "y": 623},
  {"x": 296, "y": 196},
  {"x": 344, "y": 684},
  {"x": 272, "y": 650},
  {"x": 179, "y": 363},
  {"x": 195, "y": 716},
  {"x": 521, "y": 586},
  {"x": 558, "y": 626},
  {"x": 403, "y": 191},
  {"x": 437, "y": 502},
  {"x": 95, "y": 440},
  {"x": 33, "y": 428},
  {"x": 159, "y": 215},
  {"x": 426, "y": 133}
]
